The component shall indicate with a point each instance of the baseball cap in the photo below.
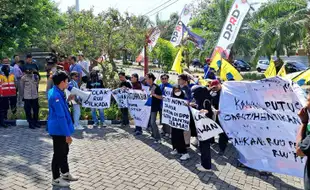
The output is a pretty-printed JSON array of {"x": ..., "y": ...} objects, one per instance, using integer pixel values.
[{"x": 214, "y": 83}]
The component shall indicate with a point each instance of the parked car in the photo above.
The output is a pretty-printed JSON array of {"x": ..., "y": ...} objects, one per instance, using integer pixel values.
[
  {"x": 293, "y": 66},
  {"x": 262, "y": 65},
  {"x": 241, "y": 65}
]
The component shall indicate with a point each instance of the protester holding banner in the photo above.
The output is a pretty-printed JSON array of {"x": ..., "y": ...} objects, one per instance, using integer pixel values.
[
  {"x": 156, "y": 96},
  {"x": 124, "y": 84},
  {"x": 136, "y": 85},
  {"x": 177, "y": 134},
  {"x": 303, "y": 140},
  {"x": 164, "y": 84},
  {"x": 183, "y": 81},
  {"x": 216, "y": 88},
  {"x": 94, "y": 83},
  {"x": 76, "y": 102},
  {"x": 204, "y": 146}
]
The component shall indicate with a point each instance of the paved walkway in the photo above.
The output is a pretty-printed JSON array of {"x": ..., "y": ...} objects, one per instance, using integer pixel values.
[{"x": 111, "y": 158}]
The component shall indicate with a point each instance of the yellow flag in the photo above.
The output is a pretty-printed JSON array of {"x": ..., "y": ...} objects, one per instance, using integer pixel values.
[
  {"x": 214, "y": 63},
  {"x": 282, "y": 71},
  {"x": 303, "y": 78},
  {"x": 228, "y": 72},
  {"x": 271, "y": 70},
  {"x": 177, "y": 62}
]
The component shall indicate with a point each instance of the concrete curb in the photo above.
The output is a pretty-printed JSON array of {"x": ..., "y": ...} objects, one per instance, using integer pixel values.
[{"x": 21, "y": 122}]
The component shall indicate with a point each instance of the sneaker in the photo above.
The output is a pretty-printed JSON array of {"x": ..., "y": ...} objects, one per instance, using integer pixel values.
[
  {"x": 95, "y": 125},
  {"x": 67, "y": 176},
  {"x": 79, "y": 127},
  {"x": 37, "y": 124},
  {"x": 185, "y": 157},
  {"x": 137, "y": 133},
  {"x": 157, "y": 142},
  {"x": 102, "y": 124},
  {"x": 167, "y": 135},
  {"x": 202, "y": 169},
  {"x": 195, "y": 142},
  {"x": 198, "y": 165},
  {"x": 221, "y": 153},
  {"x": 174, "y": 152},
  {"x": 60, "y": 182}
]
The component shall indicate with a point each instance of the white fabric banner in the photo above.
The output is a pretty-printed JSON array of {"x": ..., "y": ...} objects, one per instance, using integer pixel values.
[
  {"x": 206, "y": 127},
  {"x": 231, "y": 27},
  {"x": 98, "y": 98},
  {"x": 261, "y": 119},
  {"x": 120, "y": 96},
  {"x": 153, "y": 39},
  {"x": 177, "y": 34},
  {"x": 137, "y": 108},
  {"x": 175, "y": 113}
]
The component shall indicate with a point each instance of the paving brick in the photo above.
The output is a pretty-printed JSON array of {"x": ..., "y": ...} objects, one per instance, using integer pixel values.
[{"x": 112, "y": 158}]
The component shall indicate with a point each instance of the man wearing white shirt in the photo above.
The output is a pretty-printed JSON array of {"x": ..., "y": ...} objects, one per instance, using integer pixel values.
[{"x": 84, "y": 64}]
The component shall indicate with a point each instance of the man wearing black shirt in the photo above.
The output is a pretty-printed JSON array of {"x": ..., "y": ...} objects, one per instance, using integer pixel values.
[
  {"x": 124, "y": 84},
  {"x": 216, "y": 88},
  {"x": 156, "y": 95}
]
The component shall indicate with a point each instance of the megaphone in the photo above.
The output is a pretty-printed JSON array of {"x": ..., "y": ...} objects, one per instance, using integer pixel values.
[{"x": 82, "y": 94}]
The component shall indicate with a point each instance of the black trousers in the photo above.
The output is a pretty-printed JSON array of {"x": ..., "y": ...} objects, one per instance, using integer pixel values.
[
  {"x": 13, "y": 102},
  {"x": 4, "y": 106},
  {"x": 177, "y": 140},
  {"x": 60, "y": 156},
  {"x": 205, "y": 154},
  {"x": 32, "y": 105},
  {"x": 223, "y": 141},
  {"x": 125, "y": 117}
]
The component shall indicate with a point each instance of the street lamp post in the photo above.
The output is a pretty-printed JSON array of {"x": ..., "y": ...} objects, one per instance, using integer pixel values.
[{"x": 77, "y": 5}]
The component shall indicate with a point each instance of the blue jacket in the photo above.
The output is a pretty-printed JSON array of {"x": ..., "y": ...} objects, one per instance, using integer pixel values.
[
  {"x": 59, "y": 118},
  {"x": 162, "y": 87}
]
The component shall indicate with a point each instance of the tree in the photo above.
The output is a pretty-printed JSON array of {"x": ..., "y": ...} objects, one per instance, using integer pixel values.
[
  {"x": 26, "y": 23},
  {"x": 165, "y": 53},
  {"x": 280, "y": 25},
  {"x": 167, "y": 26}
]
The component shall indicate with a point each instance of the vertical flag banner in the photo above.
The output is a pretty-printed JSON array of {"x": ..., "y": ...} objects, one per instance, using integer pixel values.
[
  {"x": 282, "y": 71},
  {"x": 271, "y": 70},
  {"x": 231, "y": 27},
  {"x": 216, "y": 61},
  {"x": 184, "y": 18},
  {"x": 228, "y": 72},
  {"x": 151, "y": 44},
  {"x": 303, "y": 78},
  {"x": 177, "y": 66}
]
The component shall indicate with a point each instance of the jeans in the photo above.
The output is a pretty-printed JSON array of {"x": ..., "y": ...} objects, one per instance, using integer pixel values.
[
  {"x": 60, "y": 157},
  {"x": 125, "y": 118},
  {"x": 153, "y": 126},
  {"x": 76, "y": 114},
  {"x": 94, "y": 115}
]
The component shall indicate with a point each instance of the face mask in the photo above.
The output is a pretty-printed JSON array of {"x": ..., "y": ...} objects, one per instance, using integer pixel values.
[
  {"x": 177, "y": 93},
  {"x": 213, "y": 93}
]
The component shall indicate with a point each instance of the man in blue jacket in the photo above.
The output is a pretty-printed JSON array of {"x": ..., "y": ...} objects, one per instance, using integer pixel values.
[
  {"x": 165, "y": 84},
  {"x": 60, "y": 127}
]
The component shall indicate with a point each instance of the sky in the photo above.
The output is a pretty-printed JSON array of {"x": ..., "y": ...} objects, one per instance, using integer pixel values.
[{"x": 137, "y": 7}]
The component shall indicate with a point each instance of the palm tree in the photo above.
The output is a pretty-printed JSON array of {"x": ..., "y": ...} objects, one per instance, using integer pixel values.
[{"x": 280, "y": 25}]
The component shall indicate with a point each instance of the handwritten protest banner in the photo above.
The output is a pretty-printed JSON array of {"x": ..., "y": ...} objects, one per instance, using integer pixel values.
[
  {"x": 261, "y": 119},
  {"x": 98, "y": 98},
  {"x": 206, "y": 128},
  {"x": 120, "y": 96},
  {"x": 137, "y": 108},
  {"x": 168, "y": 91},
  {"x": 175, "y": 113}
]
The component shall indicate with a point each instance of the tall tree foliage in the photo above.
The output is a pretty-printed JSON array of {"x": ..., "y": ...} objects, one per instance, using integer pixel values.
[{"x": 27, "y": 22}]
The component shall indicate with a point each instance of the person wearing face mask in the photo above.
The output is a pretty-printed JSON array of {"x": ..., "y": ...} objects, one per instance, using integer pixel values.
[
  {"x": 216, "y": 88},
  {"x": 177, "y": 135}
]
